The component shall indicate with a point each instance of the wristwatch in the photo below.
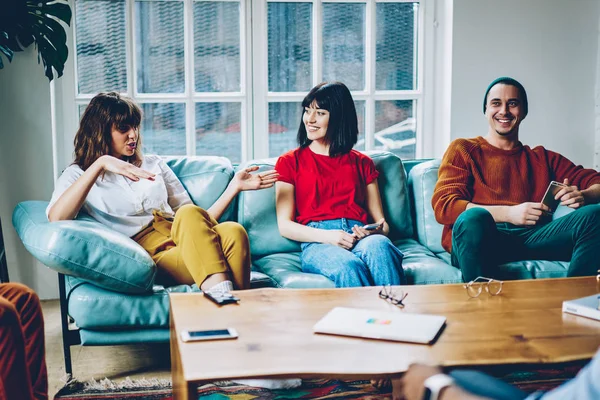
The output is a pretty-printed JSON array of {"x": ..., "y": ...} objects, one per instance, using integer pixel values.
[{"x": 434, "y": 385}]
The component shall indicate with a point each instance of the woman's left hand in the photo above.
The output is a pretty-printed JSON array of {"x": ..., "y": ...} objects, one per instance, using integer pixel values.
[
  {"x": 262, "y": 180},
  {"x": 361, "y": 233}
]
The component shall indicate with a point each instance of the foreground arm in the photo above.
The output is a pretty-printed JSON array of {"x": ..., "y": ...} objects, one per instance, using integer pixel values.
[
  {"x": 289, "y": 228},
  {"x": 69, "y": 203},
  {"x": 242, "y": 180},
  {"x": 412, "y": 385}
]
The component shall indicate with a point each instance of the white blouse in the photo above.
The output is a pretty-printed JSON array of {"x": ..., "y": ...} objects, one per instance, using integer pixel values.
[{"x": 125, "y": 205}]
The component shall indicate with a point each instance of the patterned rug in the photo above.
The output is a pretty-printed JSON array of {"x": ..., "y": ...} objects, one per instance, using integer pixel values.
[{"x": 528, "y": 379}]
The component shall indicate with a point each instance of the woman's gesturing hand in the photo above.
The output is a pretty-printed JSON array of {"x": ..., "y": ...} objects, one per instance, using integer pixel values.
[
  {"x": 244, "y": 180},
  {"x": 360, "y": 232},
  {"x": 128, "y": 170}
]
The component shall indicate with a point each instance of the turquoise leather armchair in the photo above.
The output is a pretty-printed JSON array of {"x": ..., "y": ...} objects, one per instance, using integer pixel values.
[{"x": 107, "y": 281}]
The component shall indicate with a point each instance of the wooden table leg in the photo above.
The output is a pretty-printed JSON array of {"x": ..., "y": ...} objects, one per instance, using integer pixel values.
[{"x": 182, "y": 390}]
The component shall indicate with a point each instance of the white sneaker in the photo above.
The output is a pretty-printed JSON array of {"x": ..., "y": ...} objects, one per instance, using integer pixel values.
[
  {"x": 271, "y": 383},
  {"x": 223, "y": 287}
]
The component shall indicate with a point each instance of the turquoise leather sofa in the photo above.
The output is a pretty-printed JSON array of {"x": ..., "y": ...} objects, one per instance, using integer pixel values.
[{"x": 107, "y": 285}]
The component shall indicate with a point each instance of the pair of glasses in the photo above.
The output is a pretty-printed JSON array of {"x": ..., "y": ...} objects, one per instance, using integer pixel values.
[
  {"x": 476, "y": 286},
  {"x": 393, "y": 297}
]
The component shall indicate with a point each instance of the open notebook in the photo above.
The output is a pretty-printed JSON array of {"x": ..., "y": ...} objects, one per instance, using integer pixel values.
[{"x": 377, "y": 324}]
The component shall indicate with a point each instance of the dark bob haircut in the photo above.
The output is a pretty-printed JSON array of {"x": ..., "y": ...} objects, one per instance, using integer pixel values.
[{"x": 342, "y": 130}]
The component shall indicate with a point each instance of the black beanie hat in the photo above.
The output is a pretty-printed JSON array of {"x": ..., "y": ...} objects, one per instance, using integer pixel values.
[{"x": 505, "y": 80}]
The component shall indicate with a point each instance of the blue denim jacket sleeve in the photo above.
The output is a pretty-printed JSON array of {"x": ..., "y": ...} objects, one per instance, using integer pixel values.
[{"x": 585, "y": 386}]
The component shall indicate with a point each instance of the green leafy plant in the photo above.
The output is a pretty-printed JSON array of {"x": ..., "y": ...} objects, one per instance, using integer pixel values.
[{"x": 24, "y": 22}]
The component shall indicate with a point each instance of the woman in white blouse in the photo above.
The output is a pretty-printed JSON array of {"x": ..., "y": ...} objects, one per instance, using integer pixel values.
[{"x": 141, "y": 197}]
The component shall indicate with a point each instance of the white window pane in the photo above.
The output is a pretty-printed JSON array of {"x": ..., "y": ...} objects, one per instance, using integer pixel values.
[
  {"x": 217, "y": 46},
  {"x": 360, "y": 114},
  {"x": 163, "y": 129},
  {"x": 344, "y": 44},
  {"x": 159, "y": 45},
  {"x": 218, "y": 130},
  {"x": 284, "y": 120},
  {"x": 395, "y": 127},
  {"x": 289, "y": 47},
  {"x": 101, "y": 50},
  {"x": 396, "y": 42}
]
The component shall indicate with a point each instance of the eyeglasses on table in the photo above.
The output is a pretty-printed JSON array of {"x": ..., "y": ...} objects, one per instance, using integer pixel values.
[
  {"x": 391, "y": 296},
  {"x": 476, "y": 286}
]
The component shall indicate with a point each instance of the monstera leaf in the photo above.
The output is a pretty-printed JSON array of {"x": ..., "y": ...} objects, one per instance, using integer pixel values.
[{"x": 25, "y": 22}]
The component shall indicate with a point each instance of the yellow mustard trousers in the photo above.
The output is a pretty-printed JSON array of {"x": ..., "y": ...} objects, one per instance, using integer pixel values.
[{"x": 193, "y": 246}]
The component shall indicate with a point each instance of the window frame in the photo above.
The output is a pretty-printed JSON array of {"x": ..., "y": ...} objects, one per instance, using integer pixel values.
[{"x": 433, "y": 69}]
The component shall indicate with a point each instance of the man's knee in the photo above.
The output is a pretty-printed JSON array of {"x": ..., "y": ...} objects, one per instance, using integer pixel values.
[
  {"x": 591, "y": 212},
  {"x": 475, "y": 222}
]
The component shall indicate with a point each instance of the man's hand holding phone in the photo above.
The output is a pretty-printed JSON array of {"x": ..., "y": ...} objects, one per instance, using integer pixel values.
[
  {"x": 569, "y": 196},
  {"x": 361, "y": 232}
]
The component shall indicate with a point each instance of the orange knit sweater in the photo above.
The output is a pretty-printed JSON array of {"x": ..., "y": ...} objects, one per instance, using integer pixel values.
[{"x": 473, "y": 171}]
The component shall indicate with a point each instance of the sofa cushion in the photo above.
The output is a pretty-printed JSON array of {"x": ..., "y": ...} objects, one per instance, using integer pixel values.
[
  {"x": 421, "y": 180},
  {"x": 256, "y": 209},
  {"x": 88, "y": 304},
  {"x": 205, "y": 178},
  {"x": 285, "y": 269},
  {"x": 84, "y": 248},
  {"x": 422, "y": 267}
]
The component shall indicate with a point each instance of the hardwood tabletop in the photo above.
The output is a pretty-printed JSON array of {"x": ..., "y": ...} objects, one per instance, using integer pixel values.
[{"x": 524, "y": 324}]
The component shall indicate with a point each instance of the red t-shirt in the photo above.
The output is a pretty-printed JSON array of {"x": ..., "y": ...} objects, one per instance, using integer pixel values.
[{"x": 327, "y": 187}]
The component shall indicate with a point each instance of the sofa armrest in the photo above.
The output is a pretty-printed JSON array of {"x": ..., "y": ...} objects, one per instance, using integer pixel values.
[{"x": 84, "y": 248}]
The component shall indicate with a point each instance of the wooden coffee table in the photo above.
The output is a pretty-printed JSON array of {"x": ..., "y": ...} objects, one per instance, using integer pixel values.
[{"x": 524, "y": 324}]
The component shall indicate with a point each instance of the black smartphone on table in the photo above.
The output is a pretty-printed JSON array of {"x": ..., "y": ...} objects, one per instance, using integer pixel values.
[{"x": 213, "y": 334}]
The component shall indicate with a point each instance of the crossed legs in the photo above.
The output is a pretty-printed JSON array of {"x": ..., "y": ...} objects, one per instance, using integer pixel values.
[{"x": 194, "y": 247}]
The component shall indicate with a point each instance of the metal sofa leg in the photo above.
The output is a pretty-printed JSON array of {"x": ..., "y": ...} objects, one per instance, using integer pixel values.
[{"x": 69, "y": 337}]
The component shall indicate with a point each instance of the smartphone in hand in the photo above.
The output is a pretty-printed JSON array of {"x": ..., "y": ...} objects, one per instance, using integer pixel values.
[
  {"x": 371, "y": 227},
  {"x": 549, "y": 200}
]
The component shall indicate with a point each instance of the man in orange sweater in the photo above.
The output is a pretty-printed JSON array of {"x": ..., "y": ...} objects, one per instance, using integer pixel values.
[{"x": 489, "y": 191}]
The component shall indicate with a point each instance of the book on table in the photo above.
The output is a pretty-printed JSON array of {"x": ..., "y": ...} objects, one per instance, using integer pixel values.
[
  {"x": 586, "y": 306},
  {"x": 383, "y": 325}
]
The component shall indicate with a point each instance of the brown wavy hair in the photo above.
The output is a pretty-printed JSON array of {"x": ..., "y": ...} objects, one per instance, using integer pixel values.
[{"x": 94, "y": 136}]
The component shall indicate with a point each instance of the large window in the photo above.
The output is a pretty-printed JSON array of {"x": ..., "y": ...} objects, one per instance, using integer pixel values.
[{"x": 227, "y": 77}]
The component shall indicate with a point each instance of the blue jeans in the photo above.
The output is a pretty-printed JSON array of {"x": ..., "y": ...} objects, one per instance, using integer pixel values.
[
  {"x": 373, "y": 261},
  {"x": 479, "y": 245}
]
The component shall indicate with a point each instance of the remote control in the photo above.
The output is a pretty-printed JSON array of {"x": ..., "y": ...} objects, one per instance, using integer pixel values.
[{"x": 221, "y": 298}]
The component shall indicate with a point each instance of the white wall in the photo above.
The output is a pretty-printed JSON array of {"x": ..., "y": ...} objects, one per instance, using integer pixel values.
[
  {"x": 25, "y": 161},
  {"x": 551, "y": 47}
]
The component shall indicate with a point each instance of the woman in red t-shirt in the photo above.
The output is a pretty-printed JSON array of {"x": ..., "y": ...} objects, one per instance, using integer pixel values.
[{"x": 327, "y": 192}]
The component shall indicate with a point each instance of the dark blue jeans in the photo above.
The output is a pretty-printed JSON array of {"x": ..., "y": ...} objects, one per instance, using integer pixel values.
[{"x": 479, "y": 245}]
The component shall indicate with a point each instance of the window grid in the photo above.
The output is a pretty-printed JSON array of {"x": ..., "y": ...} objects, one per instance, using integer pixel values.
[
  {"x": 370, "y": 95},
  {"x": 253, "y": 95}
]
